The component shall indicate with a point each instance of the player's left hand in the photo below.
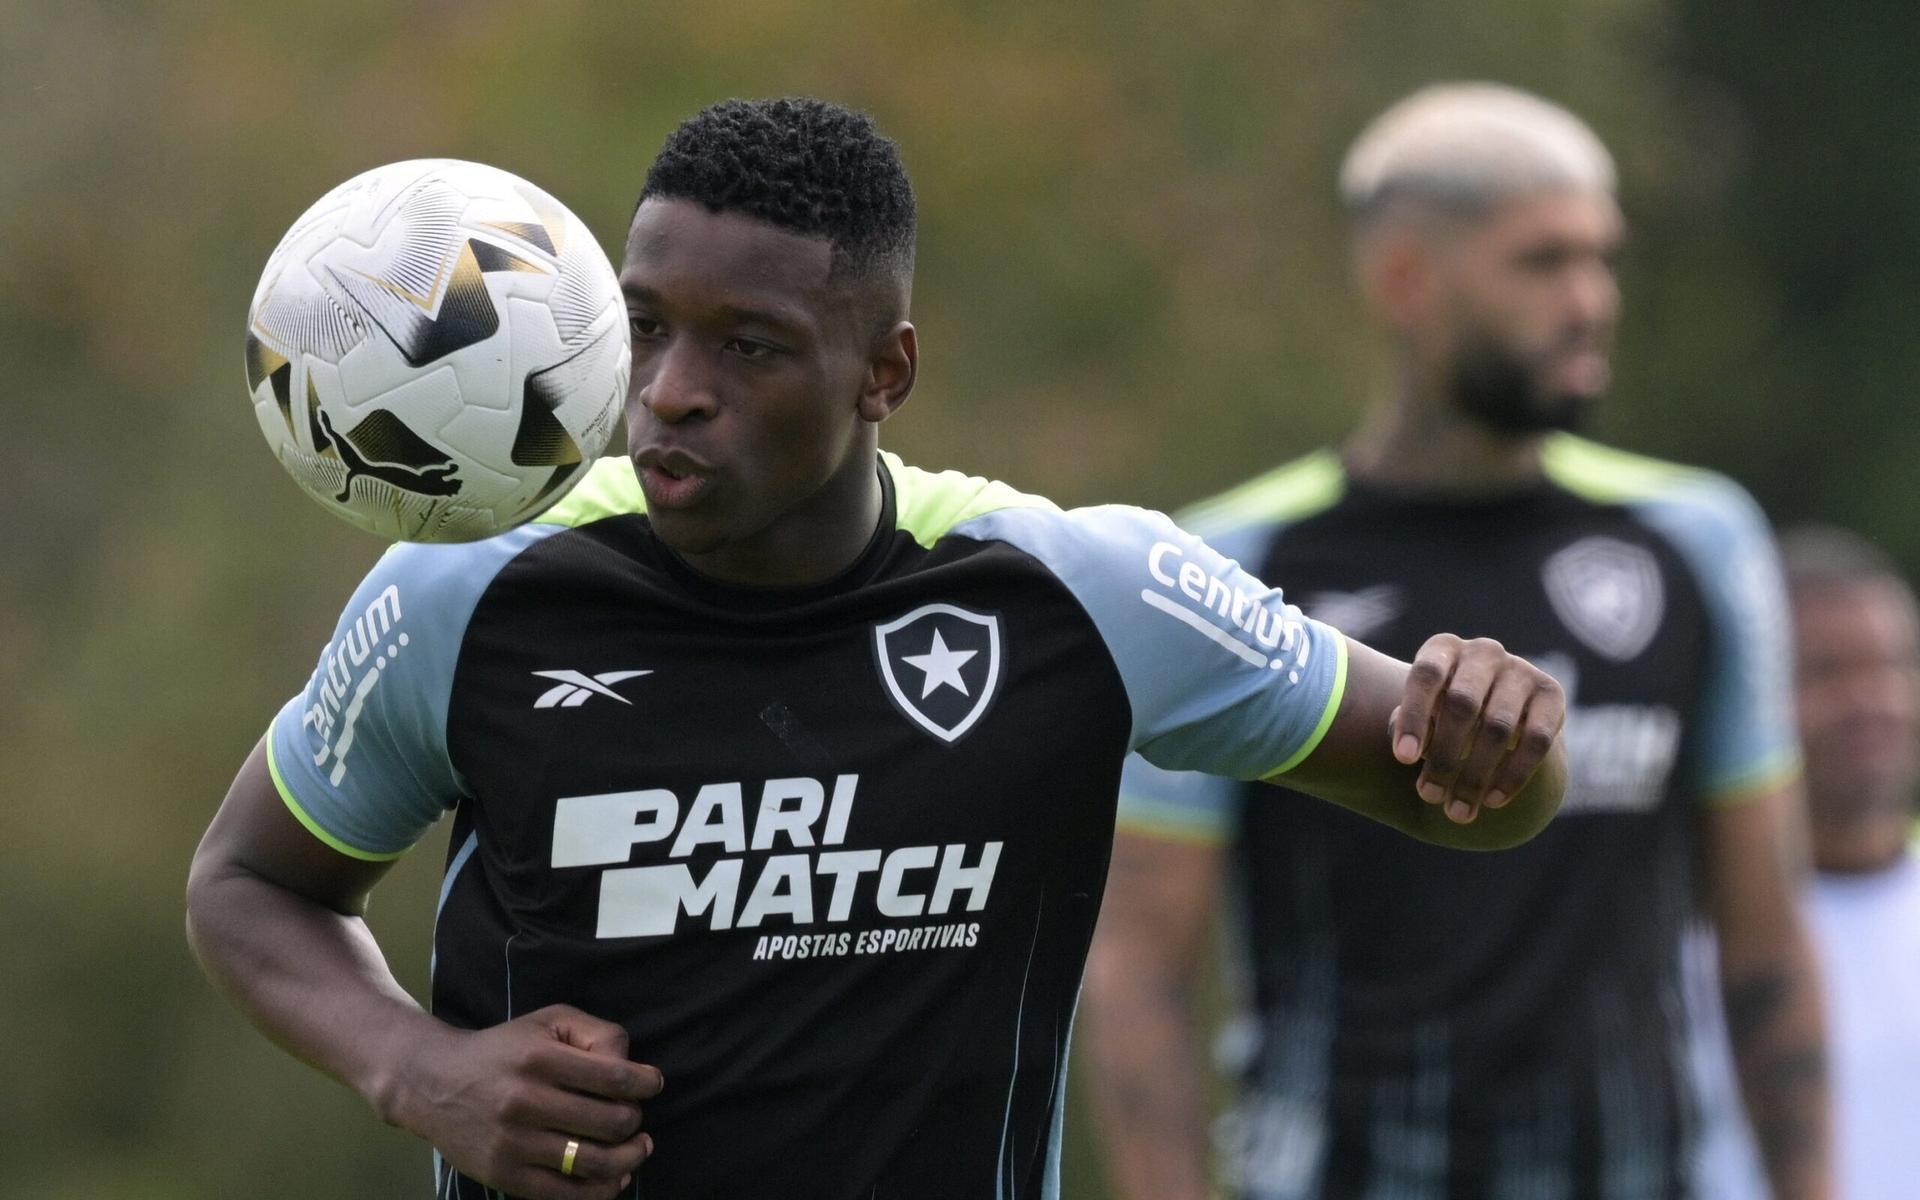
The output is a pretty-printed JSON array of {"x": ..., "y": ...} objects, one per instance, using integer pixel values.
[{"x": 1482, "y": 719}]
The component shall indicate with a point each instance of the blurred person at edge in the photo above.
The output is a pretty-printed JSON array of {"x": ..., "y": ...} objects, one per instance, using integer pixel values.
[
  {"x": 1419, "y": 1023},
  {"x": 1857, "y": 631}
]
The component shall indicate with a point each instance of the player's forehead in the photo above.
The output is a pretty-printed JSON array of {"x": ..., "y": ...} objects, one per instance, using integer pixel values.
[
  {"x": 1866, "y": 614},
  {"x": 681, "y": 254},
  {"x": 1573, "y": 214}
]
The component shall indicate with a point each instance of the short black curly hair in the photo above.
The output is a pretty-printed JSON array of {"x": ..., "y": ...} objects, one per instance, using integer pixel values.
[{"x": 802, "y": 164}]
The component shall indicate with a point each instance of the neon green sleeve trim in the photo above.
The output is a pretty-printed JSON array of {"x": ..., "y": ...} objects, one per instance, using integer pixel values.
[
  {"x": 1772, "y": 774},
  {"x": 313, "y": 827},
  {"x": 1326, "y": 717},
  {"x": 1607, "y": 475}
]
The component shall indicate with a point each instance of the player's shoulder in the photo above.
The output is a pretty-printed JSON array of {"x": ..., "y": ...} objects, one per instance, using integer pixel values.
[
  {"x": 440, "y": 575},
  {"x": 1711, "y": 521},
  {"x": 447, "y": 573},
  {"x": 1608, "y": 475},
  {"x": 1086, "y": 547},
  {"x": 931, "y": 505},
  {"x": 1078, "y": 545},
  {"x": 1286, "y": 494},
  {"x": 609, "y": 489}
]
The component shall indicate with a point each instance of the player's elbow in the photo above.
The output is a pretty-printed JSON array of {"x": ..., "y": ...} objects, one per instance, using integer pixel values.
[
  {"x": 215, "y": 901},
  {"x": 203, "y": 897}
]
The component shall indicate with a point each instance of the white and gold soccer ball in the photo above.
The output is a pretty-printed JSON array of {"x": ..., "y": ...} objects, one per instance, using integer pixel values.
[{"x": 437, "y": 350}]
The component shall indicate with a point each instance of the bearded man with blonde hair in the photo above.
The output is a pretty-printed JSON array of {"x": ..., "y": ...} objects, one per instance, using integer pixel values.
[{"x": 1435, "y": 1025}]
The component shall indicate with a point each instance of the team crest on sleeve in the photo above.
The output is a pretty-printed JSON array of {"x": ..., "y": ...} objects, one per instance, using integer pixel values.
[
  {"x": 1608, "y": 594},
  {"x": 941, "y": 665}
]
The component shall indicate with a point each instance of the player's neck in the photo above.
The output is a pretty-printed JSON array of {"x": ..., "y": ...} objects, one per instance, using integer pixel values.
[
  {"x": 809, "y": 544},
  {"x": 1416, "y": 443}
]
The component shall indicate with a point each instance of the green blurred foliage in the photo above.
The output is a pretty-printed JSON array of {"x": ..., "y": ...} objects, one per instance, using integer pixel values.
[{"x": 1132, "y": 285}]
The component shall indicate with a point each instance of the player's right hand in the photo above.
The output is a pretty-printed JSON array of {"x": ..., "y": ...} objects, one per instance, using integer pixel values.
[
  {"x": 501, "y": 1104},
  {"x": 1479, "y": 720}
]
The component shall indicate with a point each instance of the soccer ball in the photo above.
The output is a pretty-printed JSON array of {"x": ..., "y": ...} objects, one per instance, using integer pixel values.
[{"x": 437, "y": 350}]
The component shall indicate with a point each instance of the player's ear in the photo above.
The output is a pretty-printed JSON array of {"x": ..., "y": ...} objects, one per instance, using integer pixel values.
[
  {"x": 1396, "y": 275},
  {"x": 892, "y": 364}
]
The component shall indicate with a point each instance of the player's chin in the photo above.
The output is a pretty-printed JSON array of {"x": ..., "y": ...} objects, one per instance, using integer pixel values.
[
  {"x": 1558, "y": 409},
  {"x": 1580, "y": 378},
  {"x": 689, "y": 531}
]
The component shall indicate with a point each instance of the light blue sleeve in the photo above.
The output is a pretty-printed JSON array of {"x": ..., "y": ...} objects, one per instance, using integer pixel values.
[
  {"x": 360, "y": 756},
  {"x": 1222, "y": 675},
  {"x": 1178, "y": 806},
  {"x": 1746, "y": 729},
  {"x": 1190, "y": 806}
]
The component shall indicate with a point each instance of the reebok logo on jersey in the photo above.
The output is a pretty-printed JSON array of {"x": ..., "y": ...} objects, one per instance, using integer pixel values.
[
  {"x": 941, "y": 666},
  {"x": 576, "y": 688},
  {"x": 1271, "y": 626}
]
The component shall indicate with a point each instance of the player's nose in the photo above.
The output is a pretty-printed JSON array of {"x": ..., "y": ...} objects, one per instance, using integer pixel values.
[
  {"x": 1594, "y": 293},
  {"x": 677, "y": 386}
]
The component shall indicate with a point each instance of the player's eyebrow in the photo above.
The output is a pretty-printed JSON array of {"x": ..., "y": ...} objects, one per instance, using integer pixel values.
[{"x": 734, "y": 314}]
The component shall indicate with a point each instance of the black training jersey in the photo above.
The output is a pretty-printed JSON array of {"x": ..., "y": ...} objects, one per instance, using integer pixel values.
[
  {"x": 1436, "y": 1024},
  {"x": 831, "y": 855}
]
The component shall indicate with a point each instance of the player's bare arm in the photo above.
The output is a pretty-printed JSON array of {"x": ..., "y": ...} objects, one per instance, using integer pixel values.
[
  {"x": 1461, "y": 748},
  {"x": 1770, "y": 985},
  {"x": 1142, "y": 1032},
  {"x": 274, "y": 916}
]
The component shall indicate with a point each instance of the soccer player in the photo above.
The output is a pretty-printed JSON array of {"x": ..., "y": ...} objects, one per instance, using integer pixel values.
[
  {"x": 1422, "y": 1022},
  {"x": 1857, "y": 630},
  {"x": 782, "y": 773}
]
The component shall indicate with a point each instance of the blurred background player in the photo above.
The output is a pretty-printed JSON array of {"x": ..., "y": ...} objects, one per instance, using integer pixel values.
[
  {"x": 1858, "y": 639},
  {"x": 1434, "y": 1024}
]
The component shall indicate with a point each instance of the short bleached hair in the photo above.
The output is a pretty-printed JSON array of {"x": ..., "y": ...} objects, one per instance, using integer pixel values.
[{"x": 1463, "y": 148}]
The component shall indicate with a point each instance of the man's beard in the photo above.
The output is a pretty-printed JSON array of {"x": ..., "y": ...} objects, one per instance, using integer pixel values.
[{"x": 1501, "y": 389}]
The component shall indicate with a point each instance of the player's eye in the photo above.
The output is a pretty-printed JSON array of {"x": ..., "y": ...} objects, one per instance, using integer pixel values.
[
  {"x": 1544, "y": 259},
  {"x": 750, "y": 350},
  {"x": 644, "y": 326}
]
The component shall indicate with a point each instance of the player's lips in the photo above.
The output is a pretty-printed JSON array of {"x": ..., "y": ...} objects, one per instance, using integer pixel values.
[
  {"x": 1585, "y": 368},
  {"x": 671, "y": 478}
]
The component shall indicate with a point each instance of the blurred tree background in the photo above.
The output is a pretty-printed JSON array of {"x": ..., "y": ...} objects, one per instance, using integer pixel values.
[{"x": 1132, "y": 286}]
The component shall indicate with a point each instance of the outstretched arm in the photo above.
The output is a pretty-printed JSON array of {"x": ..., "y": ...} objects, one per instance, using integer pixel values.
[
  {"x": 1461, "y": 748},
  {"x": 274, "y": 917}
]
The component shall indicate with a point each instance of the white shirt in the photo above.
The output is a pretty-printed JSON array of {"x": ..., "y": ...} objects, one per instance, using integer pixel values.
[
  {"x": 1726, "y": 1162},
  {"x": 1867, "y": 930}
]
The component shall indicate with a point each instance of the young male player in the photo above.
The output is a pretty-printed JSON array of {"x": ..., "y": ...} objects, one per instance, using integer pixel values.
[
  {"x": 780, "y": 769},
  {"x": 1857, "y": 632},
  {"x": 1431, "y": 1024}
]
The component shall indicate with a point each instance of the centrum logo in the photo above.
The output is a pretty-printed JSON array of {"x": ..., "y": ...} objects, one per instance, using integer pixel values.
[
  {"x": 576, "y": 687},
  {"x": 1267, "y": 624},
  {"x": 346, "y": 678}
]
